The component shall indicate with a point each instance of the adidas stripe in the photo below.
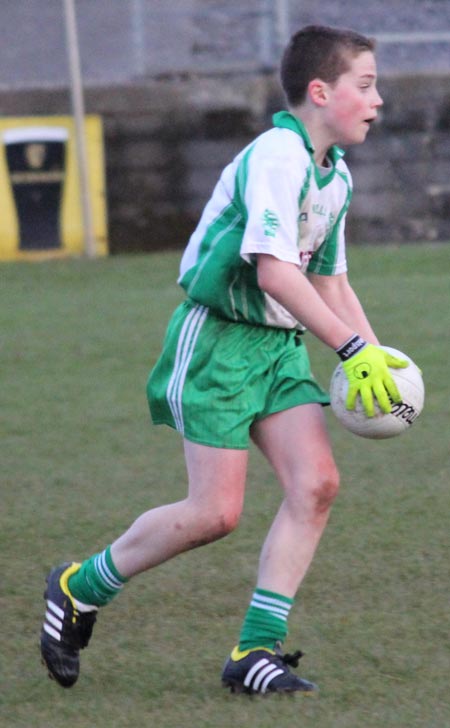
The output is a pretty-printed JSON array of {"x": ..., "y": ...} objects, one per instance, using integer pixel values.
[
  {"x": 53, "y": 616},
  {"x": 261, "y": 675}
]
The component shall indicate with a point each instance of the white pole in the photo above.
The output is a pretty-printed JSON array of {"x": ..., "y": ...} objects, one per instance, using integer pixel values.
[
  {"x": 265, "y": 36},
  {"x": 137, "y": 31},
  {"x": 282, "y": 23},
  {"x": 79, "y": 114},
  {"x": 274, "y": 31}
]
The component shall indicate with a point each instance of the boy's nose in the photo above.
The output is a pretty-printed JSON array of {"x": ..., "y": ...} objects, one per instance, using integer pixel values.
[{"x": 378, "y": 100}]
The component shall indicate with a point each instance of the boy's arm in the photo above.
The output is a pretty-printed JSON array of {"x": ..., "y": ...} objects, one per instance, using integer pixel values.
[
  {"x": 338, "y": 294},
  {"x": 290, "y": 287},
  {"x": 365, "y": 364}
]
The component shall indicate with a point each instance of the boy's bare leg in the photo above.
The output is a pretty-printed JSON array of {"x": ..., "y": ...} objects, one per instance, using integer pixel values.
[
  {"x": 296, "y": 444},
  {"x": 210, "y": 511}
]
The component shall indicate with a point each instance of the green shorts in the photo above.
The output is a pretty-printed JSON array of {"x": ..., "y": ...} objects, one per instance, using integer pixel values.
[{"x": 214, "y": 378}]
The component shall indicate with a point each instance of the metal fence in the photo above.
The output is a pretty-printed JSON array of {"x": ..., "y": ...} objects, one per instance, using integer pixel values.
[{"x": 125, "y": 40}]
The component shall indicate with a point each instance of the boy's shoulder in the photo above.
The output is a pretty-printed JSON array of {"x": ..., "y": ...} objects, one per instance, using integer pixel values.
[
  {"x": 343, "y": 171},
  {"x": 279, "y": 143}
]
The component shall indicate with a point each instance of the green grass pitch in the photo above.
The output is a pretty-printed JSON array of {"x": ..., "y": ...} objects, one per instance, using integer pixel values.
[{"x": 79, "y": 461}]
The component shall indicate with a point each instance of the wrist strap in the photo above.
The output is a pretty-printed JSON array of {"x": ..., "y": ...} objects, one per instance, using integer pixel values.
[{"x": 354, "y": 344}]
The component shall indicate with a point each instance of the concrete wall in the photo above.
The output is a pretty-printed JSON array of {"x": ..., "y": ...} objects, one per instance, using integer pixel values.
[
  {"x": 402, "y": 172},
  {"x": 167, "y": 140}
]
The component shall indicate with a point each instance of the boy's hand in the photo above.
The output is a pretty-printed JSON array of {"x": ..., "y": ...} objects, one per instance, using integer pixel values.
[{"x": 368, "y": 375}]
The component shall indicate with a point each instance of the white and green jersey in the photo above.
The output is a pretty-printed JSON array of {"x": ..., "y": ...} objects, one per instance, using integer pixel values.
[{"x": 271, "y": 199}]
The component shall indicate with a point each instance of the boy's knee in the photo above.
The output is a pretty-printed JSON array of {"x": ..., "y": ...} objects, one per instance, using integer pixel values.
[
  {"x": 326, "y": 490},
  {"x": 214, "y": 523},
  {"x": 225, "y": 521}
]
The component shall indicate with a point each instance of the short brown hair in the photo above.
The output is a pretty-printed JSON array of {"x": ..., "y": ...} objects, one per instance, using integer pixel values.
[{"x": 318, "y": 51}]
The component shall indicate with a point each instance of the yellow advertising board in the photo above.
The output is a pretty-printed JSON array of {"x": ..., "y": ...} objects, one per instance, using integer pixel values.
[{"x": 40, "y": 200}]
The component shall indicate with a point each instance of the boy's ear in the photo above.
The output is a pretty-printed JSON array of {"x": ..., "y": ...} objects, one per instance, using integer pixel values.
[{"x": 318, "y": 91}]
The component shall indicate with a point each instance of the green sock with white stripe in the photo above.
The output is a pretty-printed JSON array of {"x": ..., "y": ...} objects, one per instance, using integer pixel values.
[
  {"x": 265, "y": 623},
  {"x": 97, "y": 581}
]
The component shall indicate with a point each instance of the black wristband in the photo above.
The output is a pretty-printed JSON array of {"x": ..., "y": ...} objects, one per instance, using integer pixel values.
[{"x": 354, "y": 344}]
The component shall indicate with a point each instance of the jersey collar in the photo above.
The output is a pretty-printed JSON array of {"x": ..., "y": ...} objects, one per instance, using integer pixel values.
[{"x": 286, "y": 120}]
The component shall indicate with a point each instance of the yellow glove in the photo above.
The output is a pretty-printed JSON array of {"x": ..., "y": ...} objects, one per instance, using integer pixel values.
[{"x": 366, "y": 367}]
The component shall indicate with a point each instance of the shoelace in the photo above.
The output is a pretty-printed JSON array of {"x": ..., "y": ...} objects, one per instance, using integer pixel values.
[
  {"x": 86, "y": 625},
  {"x": 80, "y": 630},
  {"x": 292, "y": 660}
]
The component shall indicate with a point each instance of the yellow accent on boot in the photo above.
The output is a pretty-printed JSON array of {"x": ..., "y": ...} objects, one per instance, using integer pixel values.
[
  {"x": 64, "y": 584},
  {"x": 64, "y": 581},
  {"x": 237, "y": 655}
]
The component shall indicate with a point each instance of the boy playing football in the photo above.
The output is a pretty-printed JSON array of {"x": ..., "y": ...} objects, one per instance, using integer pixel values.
[{"x": 266, "y": 262}]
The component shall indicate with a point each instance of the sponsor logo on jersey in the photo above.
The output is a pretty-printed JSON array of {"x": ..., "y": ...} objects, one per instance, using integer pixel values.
[
  {"x": 270, "y": 223},
  {"x": 319, "y": 209}
]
